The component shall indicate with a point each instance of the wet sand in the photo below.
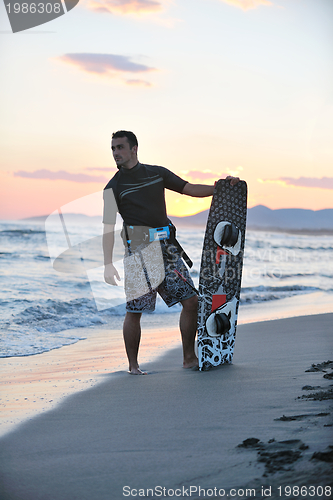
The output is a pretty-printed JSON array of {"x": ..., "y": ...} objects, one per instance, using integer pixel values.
[{"x": 176, "y": 429}]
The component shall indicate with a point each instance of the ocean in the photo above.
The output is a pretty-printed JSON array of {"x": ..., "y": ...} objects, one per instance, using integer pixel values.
[{"x": 51, "y": 277}]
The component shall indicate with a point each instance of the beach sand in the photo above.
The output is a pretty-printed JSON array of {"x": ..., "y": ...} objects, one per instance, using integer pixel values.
[
  {"x": 34, "y": 384},
  {"x": 174, "y": 429}
]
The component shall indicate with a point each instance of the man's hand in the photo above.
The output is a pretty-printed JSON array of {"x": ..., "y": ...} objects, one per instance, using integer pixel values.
[
  {"x": 111, "y": 274},
  {"x": 233, "y": 180}
]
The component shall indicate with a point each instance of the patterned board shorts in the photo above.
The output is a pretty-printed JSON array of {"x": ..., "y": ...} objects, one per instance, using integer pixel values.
[{"x": 149, "y": 269}]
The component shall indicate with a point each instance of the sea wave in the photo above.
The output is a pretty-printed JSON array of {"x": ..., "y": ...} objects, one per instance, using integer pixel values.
[
  {"x": 55, "y": 316},
  {"x": 304, "y": 275},
  {"x": 42, "y": 257},
  {"x": 43, "y": 327},
  {"x": 23, "y": 345},
  {"x": 20, "y": 232},
  {"x": 250, "y": 295},
  {"x": 5, "y": 254},
  {"x": 52, "y": 316},
  {"x": 299, "y": 247}
]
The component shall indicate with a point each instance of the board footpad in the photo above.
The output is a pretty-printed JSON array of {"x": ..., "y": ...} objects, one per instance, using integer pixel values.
[
  {"x": 228, "y": 237},
  {"x": 223, "y": 323}
]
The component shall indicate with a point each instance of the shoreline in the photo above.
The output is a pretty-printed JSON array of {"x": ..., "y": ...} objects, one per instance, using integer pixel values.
[{"x": 187, "y": 426}]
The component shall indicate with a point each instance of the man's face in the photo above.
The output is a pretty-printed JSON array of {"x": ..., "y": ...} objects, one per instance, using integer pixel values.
[{"x": 122, "y": 153}]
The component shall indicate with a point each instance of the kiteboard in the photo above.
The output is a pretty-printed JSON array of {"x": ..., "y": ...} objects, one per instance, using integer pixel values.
[{"x": 221, "y": 273}]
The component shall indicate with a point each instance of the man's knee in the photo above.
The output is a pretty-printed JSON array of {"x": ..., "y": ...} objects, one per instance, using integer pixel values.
[
  {"x": 133, "y": 317},
  {"x": 191, "y": 304}
]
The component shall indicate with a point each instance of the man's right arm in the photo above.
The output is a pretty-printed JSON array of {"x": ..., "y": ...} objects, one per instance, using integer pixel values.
[{"x": 110, "y": 272}]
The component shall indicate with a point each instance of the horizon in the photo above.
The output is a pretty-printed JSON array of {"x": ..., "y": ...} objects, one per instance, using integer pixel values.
[
  {"x": 171, "y": 215},
  {"x": 234, "y": 97}
]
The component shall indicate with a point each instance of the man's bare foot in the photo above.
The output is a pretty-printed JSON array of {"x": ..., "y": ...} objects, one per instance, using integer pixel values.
[
  {"x": 191, "y": 364},
  {"x": 136, "y": 371}
]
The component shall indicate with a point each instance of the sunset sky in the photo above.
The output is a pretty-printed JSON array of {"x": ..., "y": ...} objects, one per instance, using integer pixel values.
[{"x": 210, "y": 87}]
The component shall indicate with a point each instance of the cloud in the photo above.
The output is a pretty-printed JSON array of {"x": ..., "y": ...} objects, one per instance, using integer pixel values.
[
  {"x": 125, "y": 6},
  {"x": 60, "y": 175},
  {"x": 102, "y": 169},
  {"x": 309, "y": 182},
  {"x": 110, "y": 64},
  {"x": 138, "y": 83},
  {"x": 247, "y": 4}
]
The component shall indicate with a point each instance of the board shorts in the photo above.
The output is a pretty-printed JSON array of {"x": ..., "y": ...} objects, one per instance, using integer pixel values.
[{"x": 149, "y": 269}]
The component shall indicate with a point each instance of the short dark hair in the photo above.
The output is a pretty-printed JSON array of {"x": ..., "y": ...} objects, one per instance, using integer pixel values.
[{"x": 129, "y": 135}]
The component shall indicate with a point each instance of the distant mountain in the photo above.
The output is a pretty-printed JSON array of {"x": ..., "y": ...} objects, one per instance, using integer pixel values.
[
  {"x": 290, "y": 218},
  {"x": 261, "y": 217},
  {"x": 258, "y": 217},
  {"x": 199, "y": 219}
]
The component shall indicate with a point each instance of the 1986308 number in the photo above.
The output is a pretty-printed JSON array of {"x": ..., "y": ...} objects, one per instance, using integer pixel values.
[
  {"x": 32, "y": 8},
  {"x": 305, "y": 491}
]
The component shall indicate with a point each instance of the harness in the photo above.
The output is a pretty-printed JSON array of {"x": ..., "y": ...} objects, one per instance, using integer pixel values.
[{"x": 136, "y": 235}]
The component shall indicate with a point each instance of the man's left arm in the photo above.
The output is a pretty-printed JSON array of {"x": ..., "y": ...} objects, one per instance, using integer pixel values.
[{"x": 203, "y": 190}]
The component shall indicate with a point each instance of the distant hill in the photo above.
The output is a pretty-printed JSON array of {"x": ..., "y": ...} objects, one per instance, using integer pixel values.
[
  {"x": 199, "y": 219},
  {"x": 290, "y": 218},
  {"x": 261, "y": 217},
  {"x": 258, "y": 217}
]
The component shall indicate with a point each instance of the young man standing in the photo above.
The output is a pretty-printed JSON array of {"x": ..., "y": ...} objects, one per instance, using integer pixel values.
[{"x": 138, "y": 191}]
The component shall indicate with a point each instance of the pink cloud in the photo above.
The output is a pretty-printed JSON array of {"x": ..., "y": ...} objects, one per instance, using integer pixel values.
[
  {"x": 60, "y": 175},
  {"x": 310, "y": 182},
  {"x": 102, "y": 169},
  {"x": 104, "y": 63},
  {"x": 125, "y": 6}
]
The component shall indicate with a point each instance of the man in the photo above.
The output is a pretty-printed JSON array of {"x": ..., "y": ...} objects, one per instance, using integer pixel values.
[{"x": 138, "y": 190}]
